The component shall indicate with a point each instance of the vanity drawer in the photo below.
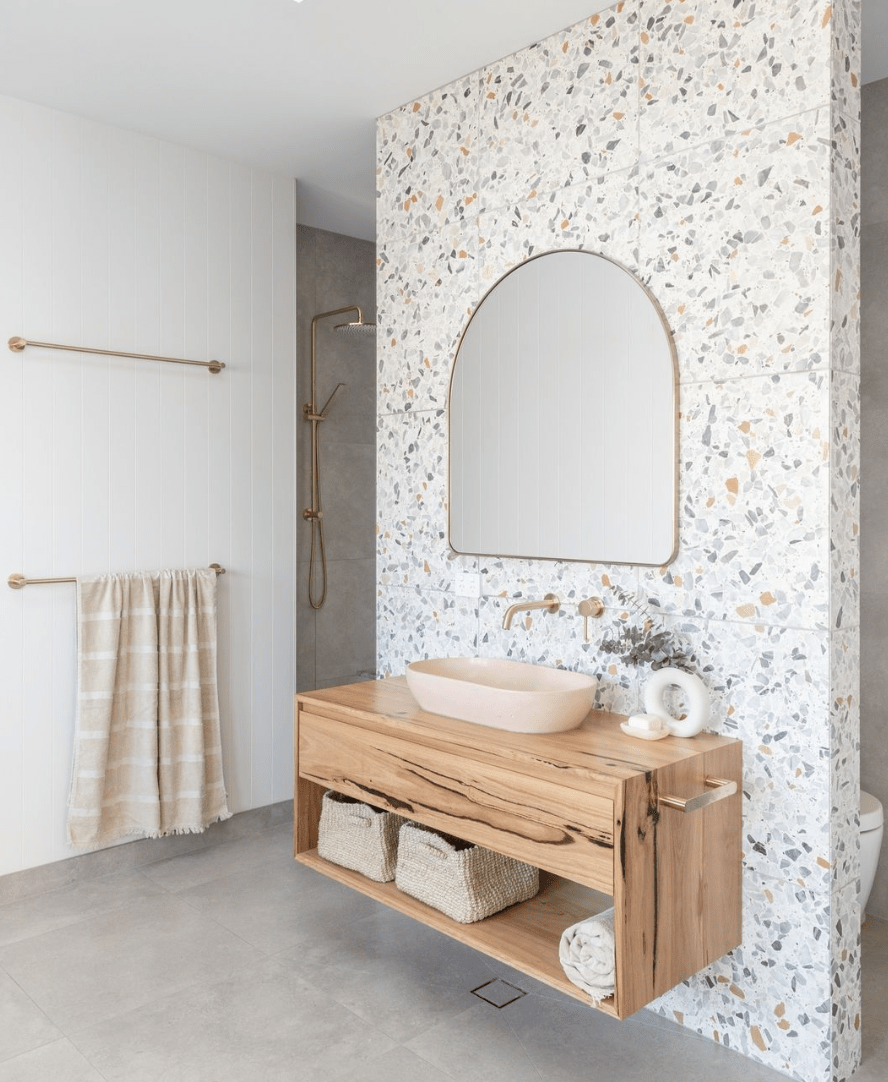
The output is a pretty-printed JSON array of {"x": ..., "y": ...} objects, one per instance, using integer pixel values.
[{"x": 562, "y": 830}]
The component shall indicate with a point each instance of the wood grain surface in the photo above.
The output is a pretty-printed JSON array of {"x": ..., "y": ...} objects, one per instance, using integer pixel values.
[{"x": 584, "y": 805}]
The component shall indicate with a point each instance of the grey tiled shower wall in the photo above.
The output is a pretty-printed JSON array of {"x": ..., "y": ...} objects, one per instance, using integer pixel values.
[
  {"x": 337, "y": 644},
  {"x": 874, "y": 454}
]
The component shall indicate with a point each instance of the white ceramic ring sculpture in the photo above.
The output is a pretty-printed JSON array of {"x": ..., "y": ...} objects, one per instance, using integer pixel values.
[{"x": 697, "y": 697}]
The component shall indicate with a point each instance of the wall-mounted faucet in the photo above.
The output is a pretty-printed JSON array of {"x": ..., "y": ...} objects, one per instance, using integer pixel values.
[
  {"x": 551, "y": 603},
  {"x": 588, "y": 607}
]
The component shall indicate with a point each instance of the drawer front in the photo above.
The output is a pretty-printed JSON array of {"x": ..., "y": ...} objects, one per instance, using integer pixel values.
[{"x": 561, "y": 830}]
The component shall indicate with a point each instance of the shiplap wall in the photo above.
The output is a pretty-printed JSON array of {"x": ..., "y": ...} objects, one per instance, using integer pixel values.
[{"x": 116, "y": 240}]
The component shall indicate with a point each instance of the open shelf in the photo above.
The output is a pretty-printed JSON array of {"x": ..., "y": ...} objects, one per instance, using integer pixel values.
[{"x": 525, "y": 936}]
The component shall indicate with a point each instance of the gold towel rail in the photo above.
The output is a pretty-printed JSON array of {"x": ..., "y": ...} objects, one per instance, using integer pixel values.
[
  {"x": 18, "y": 582},
  {"x": 18, "y": 344}
]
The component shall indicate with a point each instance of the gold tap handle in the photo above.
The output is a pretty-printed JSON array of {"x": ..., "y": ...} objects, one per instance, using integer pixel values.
[{"x": 590, "y": 606}]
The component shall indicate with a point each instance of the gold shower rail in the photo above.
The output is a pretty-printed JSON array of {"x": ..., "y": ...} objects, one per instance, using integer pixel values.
[
  {"x": 18, "y": 344},
  {"x": 19, "y": 582}
]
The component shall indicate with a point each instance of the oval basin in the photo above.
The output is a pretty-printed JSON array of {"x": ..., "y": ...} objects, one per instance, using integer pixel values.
[{"x": 508, "y": 695}]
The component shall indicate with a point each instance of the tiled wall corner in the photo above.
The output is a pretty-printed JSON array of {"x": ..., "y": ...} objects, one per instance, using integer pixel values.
[{"x": 706, "y": 148}]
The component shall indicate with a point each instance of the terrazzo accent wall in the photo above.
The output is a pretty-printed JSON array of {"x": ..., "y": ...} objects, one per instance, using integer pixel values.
[{"x": 712, "y": 149}]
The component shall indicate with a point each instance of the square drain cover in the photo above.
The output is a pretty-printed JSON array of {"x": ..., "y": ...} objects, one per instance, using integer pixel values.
[{"x": 499, "y": 993}]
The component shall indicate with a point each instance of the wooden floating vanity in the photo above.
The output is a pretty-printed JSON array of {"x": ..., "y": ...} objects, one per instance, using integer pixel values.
[{"x": 645, "y": 826}]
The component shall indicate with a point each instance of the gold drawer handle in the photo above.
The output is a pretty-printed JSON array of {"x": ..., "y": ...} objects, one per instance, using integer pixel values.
[{"x": 717, "y": 789}]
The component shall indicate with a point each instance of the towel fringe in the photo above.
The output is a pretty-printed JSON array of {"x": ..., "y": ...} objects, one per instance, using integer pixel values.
[{"x": 136, "y": 835}]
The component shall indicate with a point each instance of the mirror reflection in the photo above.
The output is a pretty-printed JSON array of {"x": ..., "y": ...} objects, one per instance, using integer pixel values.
[{"x": 563, "y": 418}]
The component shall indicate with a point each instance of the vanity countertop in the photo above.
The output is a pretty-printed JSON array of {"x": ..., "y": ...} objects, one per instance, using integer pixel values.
[{"x": 597, "y": 750}]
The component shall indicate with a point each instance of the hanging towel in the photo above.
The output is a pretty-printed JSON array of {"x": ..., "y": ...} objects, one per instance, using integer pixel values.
[
  {"x": 147, "y": 751},
  {"x": 587, "y": 955}
]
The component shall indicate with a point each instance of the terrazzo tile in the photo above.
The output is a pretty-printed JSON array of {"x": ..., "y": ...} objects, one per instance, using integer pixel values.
[
  {"x": 754, "y": 463},
  {"x": 425, "y": 297},
  {"x": 742, "y": 220},
  {"x": 845, "y": 207},
  {"x": 844, "y": 532},
  {"x": 733, "y": 246},
  {"x": 845, "y": 756},
  {"x": 844, "y": 23},
  {"x": 413, "y": 624},
  {"x": 707, "y": 72},
  {"x": 561, "y": 111},
  {"x": 599, "y": 215},
  {"x": 767, "y": 998},
  {"x": 845, "y": 982},
  {"x": 534, "y": 579},
  {"x": 412, "y": 540},
  {"x": 427, "y": 173}
]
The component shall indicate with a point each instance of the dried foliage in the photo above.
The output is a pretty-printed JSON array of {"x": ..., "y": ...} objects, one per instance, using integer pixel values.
[{"x": 642, "y": 641}]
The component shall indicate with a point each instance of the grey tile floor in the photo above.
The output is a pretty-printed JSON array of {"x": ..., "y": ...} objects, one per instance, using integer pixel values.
[{"x": 232, "y": 963}]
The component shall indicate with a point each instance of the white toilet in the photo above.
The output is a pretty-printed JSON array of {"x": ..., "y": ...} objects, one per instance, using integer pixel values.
[{"x": 871, "y": 827}]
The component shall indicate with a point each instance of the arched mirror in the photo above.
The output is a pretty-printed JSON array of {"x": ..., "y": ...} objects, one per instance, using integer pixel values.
[{"x": 563, "y": 418}]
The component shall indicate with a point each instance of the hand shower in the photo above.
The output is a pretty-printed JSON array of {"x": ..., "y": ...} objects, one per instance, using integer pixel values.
[{"x": 314, "y": 416}]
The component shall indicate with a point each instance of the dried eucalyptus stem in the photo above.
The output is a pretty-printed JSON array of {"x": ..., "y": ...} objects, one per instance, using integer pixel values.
[{"x": 643, "y": 642}]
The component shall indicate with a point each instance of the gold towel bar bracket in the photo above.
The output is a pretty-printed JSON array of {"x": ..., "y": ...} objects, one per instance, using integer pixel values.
[
  {"x": 17, "y": 345},
  {"x": 716, "y": 789},
  {"x": 19, "y": 582}
]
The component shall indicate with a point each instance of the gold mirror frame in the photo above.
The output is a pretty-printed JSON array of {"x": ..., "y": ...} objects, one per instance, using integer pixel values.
[{"x": 676, "y": 433}]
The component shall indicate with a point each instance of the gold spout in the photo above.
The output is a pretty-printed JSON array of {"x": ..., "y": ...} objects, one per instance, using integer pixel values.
[{"x": 551, "y": 603}]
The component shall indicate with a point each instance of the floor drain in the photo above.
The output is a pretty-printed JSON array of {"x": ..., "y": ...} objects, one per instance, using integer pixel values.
[{"x": 498, "y": 993}]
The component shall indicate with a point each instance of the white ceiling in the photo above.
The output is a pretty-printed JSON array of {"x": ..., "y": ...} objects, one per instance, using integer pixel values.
[{"x": 290, "y": 87}]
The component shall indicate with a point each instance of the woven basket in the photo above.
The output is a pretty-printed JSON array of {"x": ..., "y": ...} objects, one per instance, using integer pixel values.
[
  {"x": 464, "y": 881},
  {"x": 359, "y": 836}
]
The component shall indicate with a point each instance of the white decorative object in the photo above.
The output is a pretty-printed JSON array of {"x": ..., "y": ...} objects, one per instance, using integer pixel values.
[
  {"x": 645, "y": 727},
  {"x": 695, "y": 691}
]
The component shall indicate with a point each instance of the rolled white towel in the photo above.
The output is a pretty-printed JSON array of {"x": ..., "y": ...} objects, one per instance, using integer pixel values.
[{"x": 587, "y": 955}]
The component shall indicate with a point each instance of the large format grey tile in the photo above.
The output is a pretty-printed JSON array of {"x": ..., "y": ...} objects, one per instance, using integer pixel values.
[
  {"x": 124, "y": 959},
  {"x": 283, "y": 906},
  {"x": 350, "y": 502},
  {"x": 263, "y": 1025},
  {"x": 399, "y": 1065},
  {"x": 874, "y": 152},
  {"x": 134, "y": 854},
  {"x": 566, "y": 1041},
  {"x": 77, "y": 902},
  {"x": 56, "y": 1062},
  {"x": 478, "y": 1045},
  {"x": 400, "y": 975},
  {"x": 346, "y": 626},
  {"x": 874, "y": 952},
  {"x": 271, "y": 849},
  {"x": 23, "y": 1025}
]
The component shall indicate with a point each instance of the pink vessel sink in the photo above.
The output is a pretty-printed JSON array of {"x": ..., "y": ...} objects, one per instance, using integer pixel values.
[{"x": 508, "y": 695}]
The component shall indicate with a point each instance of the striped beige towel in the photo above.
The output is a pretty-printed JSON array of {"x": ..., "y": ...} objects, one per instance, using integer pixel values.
[{"x": 147, "y": 752}]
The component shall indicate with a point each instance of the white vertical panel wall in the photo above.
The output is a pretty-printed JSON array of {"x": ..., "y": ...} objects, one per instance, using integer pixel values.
[{"x": 115, "y": 240}]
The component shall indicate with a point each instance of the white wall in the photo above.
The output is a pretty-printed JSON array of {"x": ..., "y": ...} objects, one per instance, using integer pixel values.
[{"x": 114, "y": 240}]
